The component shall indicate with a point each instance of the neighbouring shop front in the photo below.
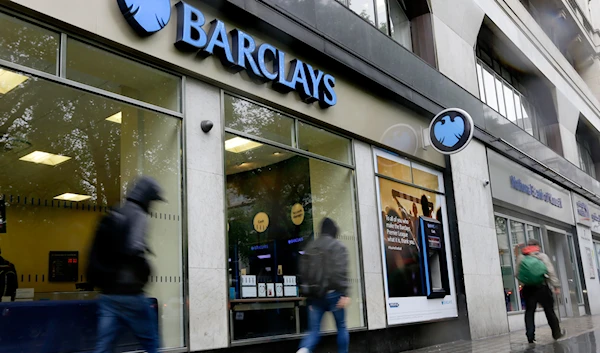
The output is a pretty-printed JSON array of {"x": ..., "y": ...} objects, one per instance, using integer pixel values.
[
  {"x": 528, "y": 206},
  {"x": 293, "y": 140},
  {"x": 587, "y": 215}
]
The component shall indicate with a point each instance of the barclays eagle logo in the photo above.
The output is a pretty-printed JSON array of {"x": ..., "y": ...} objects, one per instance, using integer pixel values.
[
  {"x": 451, "y": 131},
  {"x": 448, "y": 131},
  {"x": 146, "y": 16}
]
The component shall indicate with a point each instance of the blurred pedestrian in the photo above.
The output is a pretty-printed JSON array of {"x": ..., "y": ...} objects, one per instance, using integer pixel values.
[
  {"x": 120, "y": 269},
  {"x": 324, "y": 280},
  {"x": 537, "y": 274}
]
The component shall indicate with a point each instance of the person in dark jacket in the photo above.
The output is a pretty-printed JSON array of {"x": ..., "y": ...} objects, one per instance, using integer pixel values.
[
  {"x": 123, "y": 302},
  {"x": 8, "y": 278},
  {"x": 336, "y": 298}
]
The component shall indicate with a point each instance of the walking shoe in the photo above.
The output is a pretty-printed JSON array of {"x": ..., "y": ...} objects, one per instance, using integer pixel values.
[
  {"x": 562, "y": 334},
  {"x": 303, "y": 350},
  {"x": 531, "y": 340}
]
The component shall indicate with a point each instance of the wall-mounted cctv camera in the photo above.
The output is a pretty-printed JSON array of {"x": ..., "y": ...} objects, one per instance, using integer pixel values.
[{"x": 486, "y": 182}]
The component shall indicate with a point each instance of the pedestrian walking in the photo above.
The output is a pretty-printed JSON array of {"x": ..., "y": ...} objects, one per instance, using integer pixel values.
[
  {"x": 324, "y": 280},
  {"x": 118, "y": 266},
  {"x": 538, "y": 277}
]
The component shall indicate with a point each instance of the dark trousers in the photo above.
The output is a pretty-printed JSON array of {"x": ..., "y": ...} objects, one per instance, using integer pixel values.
[
  {"x": 542, "y": 295},
  {"x": 119, "y": 312}
]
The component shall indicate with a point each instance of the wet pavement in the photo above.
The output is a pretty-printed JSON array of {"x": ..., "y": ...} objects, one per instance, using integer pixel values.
[{"x": 583, "y": 336}]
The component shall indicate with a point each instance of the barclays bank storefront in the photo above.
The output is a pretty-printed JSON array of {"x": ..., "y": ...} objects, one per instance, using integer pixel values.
[{"x": 255, "y": 138}]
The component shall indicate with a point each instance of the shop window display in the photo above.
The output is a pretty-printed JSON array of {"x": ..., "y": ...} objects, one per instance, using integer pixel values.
[
  {"x": 511, "y": 235},
  {"x": 418, "y": 272},
  {"x": 66, "y": 157},
  {"x": 276, "y": 199}
]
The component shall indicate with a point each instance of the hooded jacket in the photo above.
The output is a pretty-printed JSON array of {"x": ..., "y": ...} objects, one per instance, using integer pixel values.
[
  {"x": 337, "y": 257},
  {"x": 535, "y": 251},
  {"x": 135, "y": 270}
]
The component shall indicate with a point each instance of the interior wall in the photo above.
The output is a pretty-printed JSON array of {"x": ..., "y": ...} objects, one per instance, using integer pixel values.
[{"x": 34, "y": 231}]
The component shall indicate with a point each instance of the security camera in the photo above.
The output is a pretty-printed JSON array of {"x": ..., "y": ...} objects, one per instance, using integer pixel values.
[{"x": 486, "y": 182}]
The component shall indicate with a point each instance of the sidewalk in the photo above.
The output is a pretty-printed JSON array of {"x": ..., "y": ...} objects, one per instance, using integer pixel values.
[{"x": 583, "y": 336}]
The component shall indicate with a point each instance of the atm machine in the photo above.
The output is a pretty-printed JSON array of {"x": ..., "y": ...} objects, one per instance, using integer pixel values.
[{"x": 434, "y": 266}]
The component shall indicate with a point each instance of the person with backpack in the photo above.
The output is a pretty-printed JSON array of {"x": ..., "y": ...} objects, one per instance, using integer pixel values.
[
  {"x": 9, "y": 282},
  {"x": 537, "y": 275},
  {"x": 118, "y": 266},
  {"x": 324, "y": 281}
]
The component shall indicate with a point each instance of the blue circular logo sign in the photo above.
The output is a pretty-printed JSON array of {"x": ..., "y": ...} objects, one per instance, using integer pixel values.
[
  {"x": 146, "y": 16},
  {"x": 451, "y": 131}
]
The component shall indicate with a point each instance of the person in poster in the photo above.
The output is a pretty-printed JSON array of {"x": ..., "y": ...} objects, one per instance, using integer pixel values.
[{"x": 401, "y": 208}]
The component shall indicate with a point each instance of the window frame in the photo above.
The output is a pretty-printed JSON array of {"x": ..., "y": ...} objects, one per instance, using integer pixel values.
[
  {"x": 536, "y": 127},
  {"x": 60, "y": 78},
  {"x": 294, "y": 149}
]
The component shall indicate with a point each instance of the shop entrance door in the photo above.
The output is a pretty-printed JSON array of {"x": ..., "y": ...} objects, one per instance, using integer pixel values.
[{"x": 558, "y": 252}]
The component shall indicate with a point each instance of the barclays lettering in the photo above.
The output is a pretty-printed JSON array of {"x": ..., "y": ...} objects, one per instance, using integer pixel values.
[
  {"x": 263, "y": 63},
  {"x": 531, "y": 190}
]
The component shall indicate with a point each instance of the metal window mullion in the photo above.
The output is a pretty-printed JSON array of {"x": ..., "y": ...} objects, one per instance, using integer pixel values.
[
  {"x": 482, "y": 81},
  {"x": 288, "y": 148},
  {"x": 495, "y": 75},
  {"x": 89, "y": 89},
  {"x": 375, "y": 15},
  {"x": 514, "y": 262},
  {"x": 296, "y": 135},
  {"x": 62, "y": 56}
]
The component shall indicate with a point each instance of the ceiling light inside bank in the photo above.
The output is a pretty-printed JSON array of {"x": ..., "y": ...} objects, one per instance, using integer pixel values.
[
  {"x": 10, "y": 80},
  {"x": 72, "y": 197},
  {"x": 239, "y": 145},
  {"x": 116, "y": 118},
  {"x": 39, "y": 157}
]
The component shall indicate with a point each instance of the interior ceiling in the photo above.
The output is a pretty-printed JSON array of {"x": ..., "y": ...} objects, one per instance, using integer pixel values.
[
  {"x": 43, "y": 116},
  {"x": 256, "y": 158}
]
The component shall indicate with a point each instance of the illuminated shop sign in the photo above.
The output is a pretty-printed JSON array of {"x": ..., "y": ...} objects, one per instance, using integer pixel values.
[
  {"x": 236, "y": 50},
  {"x": 531, "y": 190}
]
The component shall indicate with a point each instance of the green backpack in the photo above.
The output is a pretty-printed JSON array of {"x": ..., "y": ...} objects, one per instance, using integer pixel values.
[{"x": 532, "y": 271}]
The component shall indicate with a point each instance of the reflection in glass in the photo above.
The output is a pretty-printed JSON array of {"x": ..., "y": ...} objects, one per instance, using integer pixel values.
[
  {"x": 382, "y": 18},
  {"x": 534, "y": 233},
  {"x": 482, "y": 95},
  {"x": 318, "y": 141},
  {"x": 292, "y": 194},
  {"x": 501, "y": 102},
  {"x": 253, "y": 119},
  {"x": 26, "y": 44},
  {"x": 490, "y": 89},
  {"x": 575, "y": 269},
  {"x": 400, "y": 25},
  {"x": 510, "y": 104},
  {"x": 364, "y": 8},
  {"x": 73, "y": 149},
  {"x": 506, "y": 265},
  {"x": 100, "y": 68},
  {"x": 520, "y": 121}
]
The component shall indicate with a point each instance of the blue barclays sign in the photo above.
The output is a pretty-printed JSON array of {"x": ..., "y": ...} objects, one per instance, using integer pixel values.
[
  {"x": 451, "y": 131},
  {"x": 236, "y": 50},
  {"x": 531, "y": 190}
]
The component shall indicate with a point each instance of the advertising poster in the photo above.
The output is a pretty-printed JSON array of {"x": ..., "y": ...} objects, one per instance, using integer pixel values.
[{"x": 401, "y": 206}]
